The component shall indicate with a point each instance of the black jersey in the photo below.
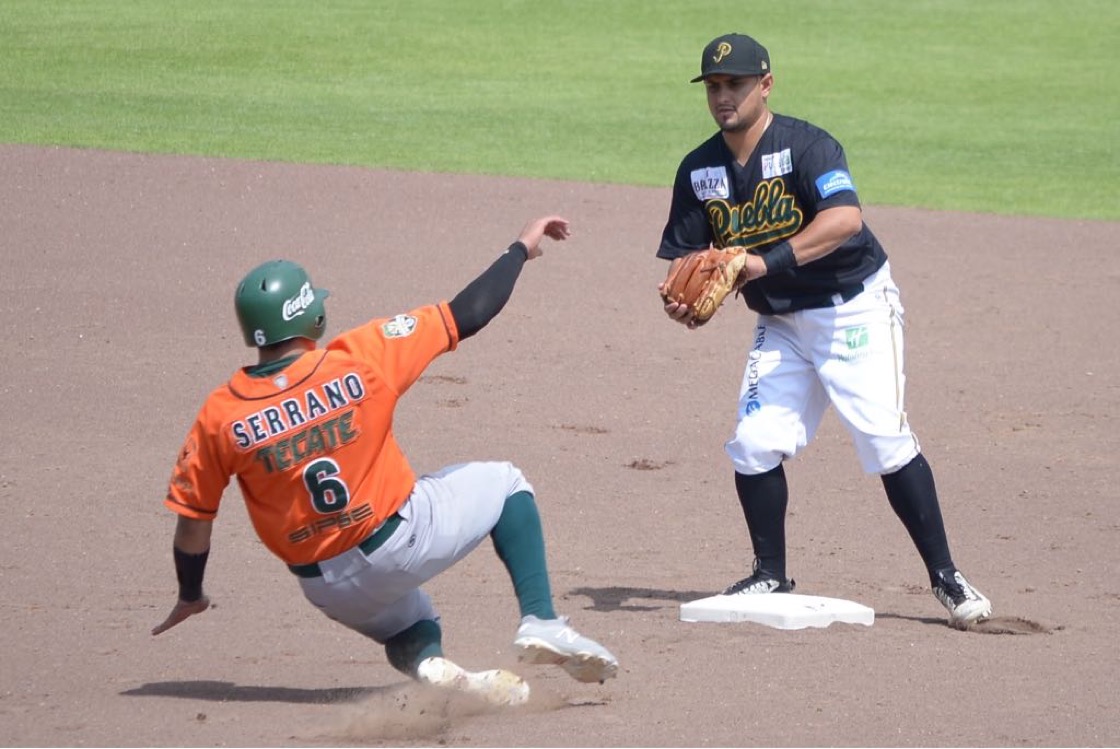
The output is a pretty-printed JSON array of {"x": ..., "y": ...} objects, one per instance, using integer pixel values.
[{"x": 796, "y": 171}]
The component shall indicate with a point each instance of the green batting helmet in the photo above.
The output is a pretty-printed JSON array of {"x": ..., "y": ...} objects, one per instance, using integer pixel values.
[{"x": 276, "y": 302}]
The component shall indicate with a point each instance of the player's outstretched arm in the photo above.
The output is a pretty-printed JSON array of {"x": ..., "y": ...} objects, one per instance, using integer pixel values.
[
  {"x": 553, "y": 227},
  {"x": 191, "y": 549},
  {"x": 485, "y": 296}
]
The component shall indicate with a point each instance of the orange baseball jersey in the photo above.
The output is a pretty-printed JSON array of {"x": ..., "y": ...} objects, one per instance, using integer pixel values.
[{"x": 312, "y": 444}]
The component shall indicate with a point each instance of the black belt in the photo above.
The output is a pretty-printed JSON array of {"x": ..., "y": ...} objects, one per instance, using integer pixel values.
[
  {"x": 371, "y": 544},
  {"x": 823, "y": 300}
]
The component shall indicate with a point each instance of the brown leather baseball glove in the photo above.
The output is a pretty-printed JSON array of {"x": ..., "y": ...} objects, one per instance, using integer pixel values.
[{"x": 703, "y": 279}]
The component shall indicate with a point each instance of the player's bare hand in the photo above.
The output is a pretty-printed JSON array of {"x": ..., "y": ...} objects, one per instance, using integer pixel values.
[
  {"x": 679, "y": 312},
  {"x": 183, "y": 610},
  {"x": 553, "y": 227}
]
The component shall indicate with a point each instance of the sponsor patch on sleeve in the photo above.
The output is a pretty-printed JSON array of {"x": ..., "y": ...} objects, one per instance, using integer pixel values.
[
  {"x": 399, "y": 327},
  {"x": 710, "y": 183},
  {"x": 833, "y": 182}
]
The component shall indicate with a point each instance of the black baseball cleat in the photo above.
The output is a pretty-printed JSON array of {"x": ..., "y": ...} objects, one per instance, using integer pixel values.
[{"x": 760, "y": 581}]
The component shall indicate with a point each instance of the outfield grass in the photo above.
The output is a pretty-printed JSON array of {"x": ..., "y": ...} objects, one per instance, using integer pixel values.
[{"x": 1004, "y": 106}]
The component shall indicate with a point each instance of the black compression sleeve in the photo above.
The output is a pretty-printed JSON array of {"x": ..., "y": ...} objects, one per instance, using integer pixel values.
[
  {"x": 484, "y": 297},
  {"x": 190, "y": 568}
]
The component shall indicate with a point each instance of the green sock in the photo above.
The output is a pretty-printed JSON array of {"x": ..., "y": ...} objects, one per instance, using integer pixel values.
[
  {"x": 407, "y": 649},
  {"x": 519, "y": 541}
]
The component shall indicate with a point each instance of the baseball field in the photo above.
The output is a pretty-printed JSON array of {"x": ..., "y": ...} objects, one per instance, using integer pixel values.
[{"x": 150, "y": 155}]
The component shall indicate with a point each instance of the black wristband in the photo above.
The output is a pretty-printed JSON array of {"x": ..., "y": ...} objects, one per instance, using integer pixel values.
[
  {"x": 522, "y": 246},
  {"x": 189, "y": 569},
  {"x": 779, "y": 258}
]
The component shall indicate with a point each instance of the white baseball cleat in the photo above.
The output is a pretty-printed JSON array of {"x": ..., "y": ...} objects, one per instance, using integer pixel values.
[
  {"x": 965, "y": 603},
  {"x": 554, "y": 642},
  {"x": 496, "y": 686}
]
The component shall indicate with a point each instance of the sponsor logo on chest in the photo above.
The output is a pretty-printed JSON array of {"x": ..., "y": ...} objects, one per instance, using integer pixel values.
[
  {"x": 776, "y": 164},
  {"x": 710, "y": 183}
]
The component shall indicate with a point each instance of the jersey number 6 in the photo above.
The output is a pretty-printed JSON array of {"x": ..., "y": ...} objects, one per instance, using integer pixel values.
[{"x": 328, "y": 492}]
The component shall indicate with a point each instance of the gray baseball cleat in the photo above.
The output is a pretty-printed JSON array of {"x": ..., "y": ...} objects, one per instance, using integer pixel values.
[
  {"x": 497, "y": 687},
  {"x": 554, "y": 642},
  {"x": 965, "y": 603}
]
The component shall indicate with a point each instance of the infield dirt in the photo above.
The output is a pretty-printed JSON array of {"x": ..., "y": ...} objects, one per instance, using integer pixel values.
[{"x": 117, "y": 321}]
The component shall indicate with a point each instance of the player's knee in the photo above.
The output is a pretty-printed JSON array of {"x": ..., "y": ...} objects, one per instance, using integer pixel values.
[
  {"x": 751, "y": 455},
  {"x": 514, "y": 479},
  {"x": 751, "y": 460},
  {"x": 886, "y": 456}
]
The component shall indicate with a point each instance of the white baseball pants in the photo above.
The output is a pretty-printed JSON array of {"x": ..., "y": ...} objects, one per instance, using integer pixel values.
[{"x": 849, "y": 356}]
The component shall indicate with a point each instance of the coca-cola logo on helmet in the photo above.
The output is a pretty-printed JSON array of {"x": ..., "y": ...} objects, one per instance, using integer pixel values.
[{"x": 298, "y": 304}]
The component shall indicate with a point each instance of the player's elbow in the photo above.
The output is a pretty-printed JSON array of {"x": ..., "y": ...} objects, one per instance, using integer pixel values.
[{"x": 844, "y": 222}]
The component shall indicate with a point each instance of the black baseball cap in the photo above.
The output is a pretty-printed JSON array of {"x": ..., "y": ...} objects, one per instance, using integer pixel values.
[{"x": 733, "y": 54}]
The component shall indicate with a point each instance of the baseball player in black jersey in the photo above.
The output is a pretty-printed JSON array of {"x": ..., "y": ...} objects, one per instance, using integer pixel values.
[{"x": 829, "y": 326}]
